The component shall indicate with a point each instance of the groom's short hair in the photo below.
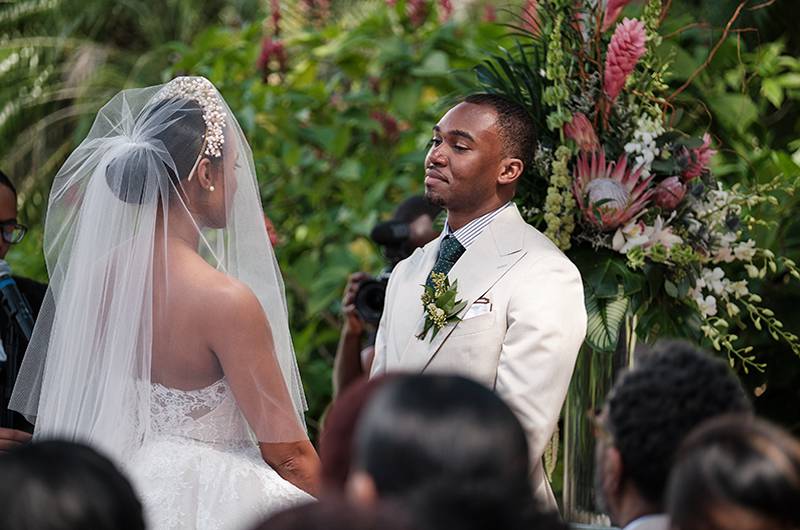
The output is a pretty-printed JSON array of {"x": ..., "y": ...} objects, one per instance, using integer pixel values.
[{"x": 517, "y": 132}]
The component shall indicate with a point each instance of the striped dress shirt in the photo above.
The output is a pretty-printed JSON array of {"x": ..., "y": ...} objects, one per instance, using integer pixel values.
[{"x": 468, "y": 233}]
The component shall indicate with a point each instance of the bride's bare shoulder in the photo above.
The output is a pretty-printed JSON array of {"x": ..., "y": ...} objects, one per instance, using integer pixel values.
[
  {"x": 227, "y": 296},
  {"x": 213, "y": 293}
]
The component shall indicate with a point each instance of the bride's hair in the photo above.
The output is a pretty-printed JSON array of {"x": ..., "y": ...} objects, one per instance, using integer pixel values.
[{"x": 181, "y": 136}]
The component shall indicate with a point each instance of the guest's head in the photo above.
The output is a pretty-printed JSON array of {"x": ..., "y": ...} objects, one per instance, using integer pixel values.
[
  {"x": 336, "y": 440},
  {"x": 647, "y": 414},
  {"x": 57, "y": 485},
  {"x": 479, "y": 150},
  {"x": 420, "y": 215},
  {"x": 736, "y": 473},
  {"x": 334, "y": 514},
  {"x": 10, "y": 230},
  {"x": 447, "y": 449}
]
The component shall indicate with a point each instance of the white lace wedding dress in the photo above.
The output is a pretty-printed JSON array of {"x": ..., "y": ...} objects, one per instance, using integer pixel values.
[{"x": 201, "y": 467}]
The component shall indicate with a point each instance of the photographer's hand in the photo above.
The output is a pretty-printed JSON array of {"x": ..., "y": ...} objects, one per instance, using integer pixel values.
[
  {"x": 347, "y": 364},
  {"x": 353, "y": 324}
]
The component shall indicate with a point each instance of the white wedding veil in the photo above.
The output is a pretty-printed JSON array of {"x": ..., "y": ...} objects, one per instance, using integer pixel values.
[{"x": 87, "y": 372}]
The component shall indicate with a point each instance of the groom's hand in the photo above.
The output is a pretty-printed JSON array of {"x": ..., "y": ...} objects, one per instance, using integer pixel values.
[
  {"x": 353, "y": 324},
  {"x": 12, "y": 438}
]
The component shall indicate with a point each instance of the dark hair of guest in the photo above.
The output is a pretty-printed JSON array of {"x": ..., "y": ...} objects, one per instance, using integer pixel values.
[
  {"x": 651, "y": 408},
  {"x": 336, "y": 514},
  {"x": 55, "y": 485},
  {"x": 736, "y": 464},
  {"x": 449, "y": 450}
]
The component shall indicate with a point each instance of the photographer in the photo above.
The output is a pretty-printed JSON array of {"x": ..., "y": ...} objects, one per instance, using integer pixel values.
[
  {"x": 411, "y": 227},
  {"x": 13, "y": 427}
]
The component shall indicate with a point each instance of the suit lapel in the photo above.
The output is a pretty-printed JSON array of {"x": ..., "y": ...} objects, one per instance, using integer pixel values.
[
  {"x": 408, "y": 305},
  {"x": 486, "y": 260}
]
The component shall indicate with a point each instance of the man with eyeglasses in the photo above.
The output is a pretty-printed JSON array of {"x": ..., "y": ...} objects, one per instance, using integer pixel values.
[{"x": 14, "y": 430}]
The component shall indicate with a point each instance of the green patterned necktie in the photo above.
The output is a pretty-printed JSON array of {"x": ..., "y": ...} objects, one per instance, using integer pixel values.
[{"x": 449, "y": 252}]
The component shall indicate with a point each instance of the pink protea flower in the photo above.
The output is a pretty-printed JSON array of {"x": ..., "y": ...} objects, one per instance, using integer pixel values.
[
  {"x": 609, "y": 195},
  {"x": 669, "y": 193},
  {"x": 613, "y": 9},
  {"x": 530, "y": 17},
  {"x": 625, "y": 49},
  {"x": 581, "y": 131},
  {"x": 699, "y": 158}
]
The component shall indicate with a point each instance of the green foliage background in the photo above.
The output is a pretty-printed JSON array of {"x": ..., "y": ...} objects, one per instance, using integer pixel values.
[{"x": 339, "y": 137}]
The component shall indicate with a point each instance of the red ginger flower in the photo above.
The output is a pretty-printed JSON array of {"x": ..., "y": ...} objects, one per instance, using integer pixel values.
[
  {"x": 530, "y": 17},
  {"x": 626, "y": 48},
  {"x": 613, "y": 9},
  {"x": 581, "y": 131},
  {"x": 489, "y": 13},
  {"x": 699, "y": 158}
]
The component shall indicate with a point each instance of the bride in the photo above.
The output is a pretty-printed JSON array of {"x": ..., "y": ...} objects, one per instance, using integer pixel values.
[{"x": 164, "y": 338}]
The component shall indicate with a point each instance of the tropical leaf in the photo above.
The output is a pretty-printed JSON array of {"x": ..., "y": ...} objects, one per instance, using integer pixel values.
[{"x": 604, "y": 320}]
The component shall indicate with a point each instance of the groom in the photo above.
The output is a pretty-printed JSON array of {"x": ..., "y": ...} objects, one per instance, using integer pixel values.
[{"x": 524, "y": 319}]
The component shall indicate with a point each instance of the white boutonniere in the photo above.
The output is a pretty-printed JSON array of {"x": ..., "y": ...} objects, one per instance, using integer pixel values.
[{"x": 440, "y": 304}]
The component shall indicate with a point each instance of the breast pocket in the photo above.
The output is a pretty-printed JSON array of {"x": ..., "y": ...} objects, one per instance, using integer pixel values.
[{"x": 474, "y": 325}]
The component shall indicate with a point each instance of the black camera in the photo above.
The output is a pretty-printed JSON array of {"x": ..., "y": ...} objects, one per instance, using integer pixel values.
[
  {"x": 371, "y": 295},
  {"x": 393, "y": 237}
]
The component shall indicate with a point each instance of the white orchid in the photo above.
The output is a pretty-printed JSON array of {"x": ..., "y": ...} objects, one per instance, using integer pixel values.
[
  {"x": 707, "y": 305},
  {"x": 637, "y": 234},
  {"x": 745, "y": 251}
]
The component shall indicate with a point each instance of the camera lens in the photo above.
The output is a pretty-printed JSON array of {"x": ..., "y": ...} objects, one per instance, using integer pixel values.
[{"x": 369, "y": 300}]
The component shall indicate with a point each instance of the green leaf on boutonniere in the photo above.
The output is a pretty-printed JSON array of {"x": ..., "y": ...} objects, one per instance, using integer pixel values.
[{"x": 440, "y": 305}]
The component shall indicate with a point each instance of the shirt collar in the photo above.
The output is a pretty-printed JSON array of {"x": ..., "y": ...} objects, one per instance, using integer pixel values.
[{"x": 468, "y": 233}]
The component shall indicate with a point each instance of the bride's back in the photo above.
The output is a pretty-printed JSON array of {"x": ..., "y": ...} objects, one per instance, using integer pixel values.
[{"x": 183, "y": 316}]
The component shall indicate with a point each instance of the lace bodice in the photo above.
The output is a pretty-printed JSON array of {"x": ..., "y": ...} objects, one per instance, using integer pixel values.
[{"x": 208, "y": 414}]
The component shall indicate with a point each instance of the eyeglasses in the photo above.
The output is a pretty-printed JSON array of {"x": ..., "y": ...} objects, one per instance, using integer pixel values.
[
  {"x": 13, "y": 232},
  {"x": 599, "y": 429}
]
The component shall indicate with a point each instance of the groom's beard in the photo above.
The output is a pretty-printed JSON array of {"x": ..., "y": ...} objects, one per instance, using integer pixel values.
[{"x": 434, "y": 199}]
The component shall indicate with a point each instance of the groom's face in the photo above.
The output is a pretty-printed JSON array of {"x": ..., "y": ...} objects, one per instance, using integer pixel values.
[{"x": 463, "y": 162}]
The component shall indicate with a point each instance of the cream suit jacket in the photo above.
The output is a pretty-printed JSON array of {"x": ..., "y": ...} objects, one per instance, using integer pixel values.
[{"x": 521, "y": 330}]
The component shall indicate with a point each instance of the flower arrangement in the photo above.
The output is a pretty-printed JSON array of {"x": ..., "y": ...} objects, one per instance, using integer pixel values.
[{"x": 623, "y": 191}]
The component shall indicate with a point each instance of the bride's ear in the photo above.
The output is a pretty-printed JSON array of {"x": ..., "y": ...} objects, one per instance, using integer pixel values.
[{"x": 204, "y": 175}]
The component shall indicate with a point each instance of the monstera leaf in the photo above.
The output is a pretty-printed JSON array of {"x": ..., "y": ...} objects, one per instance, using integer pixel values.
[{"x": 604, "y": 320}]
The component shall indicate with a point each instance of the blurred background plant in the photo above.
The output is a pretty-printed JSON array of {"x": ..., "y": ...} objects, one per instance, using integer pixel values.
[{"x": 337, "y": 99}]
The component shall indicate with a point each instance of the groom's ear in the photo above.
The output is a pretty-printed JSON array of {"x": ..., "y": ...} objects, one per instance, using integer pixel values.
[
  {"x": 511, "y": 169},
  {"x": 361, "y": 489}
]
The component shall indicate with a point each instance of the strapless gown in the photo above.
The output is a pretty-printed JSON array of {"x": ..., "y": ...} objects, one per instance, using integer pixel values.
[{"x": 201, "y": 467}]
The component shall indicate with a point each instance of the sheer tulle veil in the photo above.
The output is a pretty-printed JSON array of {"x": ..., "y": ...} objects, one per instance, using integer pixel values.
[{"x": 87, "y": 372}]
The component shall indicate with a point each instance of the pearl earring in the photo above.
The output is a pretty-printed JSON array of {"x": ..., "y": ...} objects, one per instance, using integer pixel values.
[{"x": 211, "y": 188}]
